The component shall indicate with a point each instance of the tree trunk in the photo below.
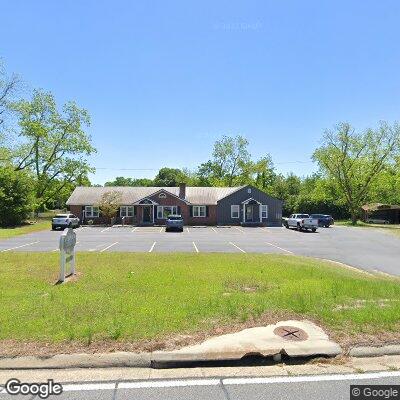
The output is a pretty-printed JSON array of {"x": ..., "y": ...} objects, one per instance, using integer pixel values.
[{"x": 353, "y": 217}]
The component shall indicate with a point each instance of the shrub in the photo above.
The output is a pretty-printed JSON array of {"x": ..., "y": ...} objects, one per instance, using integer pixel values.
[{"x": 16, "y": 196}]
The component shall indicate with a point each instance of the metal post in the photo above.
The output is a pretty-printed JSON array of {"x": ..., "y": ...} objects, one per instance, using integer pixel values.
[
  {"x": 62, "y": 266},
  {"x": 73, "y": 262}
]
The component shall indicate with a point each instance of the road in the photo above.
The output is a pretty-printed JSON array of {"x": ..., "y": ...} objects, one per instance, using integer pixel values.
[
  {"x": 329, "y": 387},
  {"x": 369, "y": 249}
]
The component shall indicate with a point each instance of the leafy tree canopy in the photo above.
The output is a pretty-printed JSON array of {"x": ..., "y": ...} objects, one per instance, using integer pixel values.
[
  {"x": 52, "y": 144},
  {"x": 354, "y": 161}
]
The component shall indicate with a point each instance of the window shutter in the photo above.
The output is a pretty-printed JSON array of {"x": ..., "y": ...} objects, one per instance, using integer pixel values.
[
  {"x": 206, "y": 211},
  {"x": 178, "y": 209},
  {"x": 191, "y": 210}
]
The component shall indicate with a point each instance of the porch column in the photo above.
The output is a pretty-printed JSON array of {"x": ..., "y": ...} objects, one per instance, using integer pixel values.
[
  {"x": 244, "y": 213},
  {"x": 259, "y": 210}
]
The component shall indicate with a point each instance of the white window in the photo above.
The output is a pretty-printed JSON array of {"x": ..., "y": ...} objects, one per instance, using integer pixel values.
[
  {"x": 91, "y": 211},
  {"x": 164, "y": 211},
  {"x": 234, "y": 211},
  {"x": 199, "y": 211},
  {"x": 249, "y": 190},
  {"x": 127, "y": 211},
  {"x": 264, "y": 211}
]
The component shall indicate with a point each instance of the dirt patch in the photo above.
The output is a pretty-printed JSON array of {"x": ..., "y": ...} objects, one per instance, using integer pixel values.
[{"x": 346, "y": 339}]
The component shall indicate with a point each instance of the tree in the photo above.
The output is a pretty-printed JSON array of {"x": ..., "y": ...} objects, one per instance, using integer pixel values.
[
  {"x": 110, "y": 203},
  {"x": 170, "y": 177},
  {"x": 16, "y": 196},
  {"x": 354, "y": 161},
  {"x": 53, "y": 144},
  {"x": 121, "y": 181},
  {"x": 229, "y": 163},
  {"x": 8, "y": 88}
]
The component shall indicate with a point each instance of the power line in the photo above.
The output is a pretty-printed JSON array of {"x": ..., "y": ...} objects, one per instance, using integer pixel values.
[{"x": 156, "y": 169}]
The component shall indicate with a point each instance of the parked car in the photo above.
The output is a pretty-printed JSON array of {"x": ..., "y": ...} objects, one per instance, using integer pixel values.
[
  {"x": 377, "y": 221},
  {"x": 63, "y": 221},
  {"x": 323, "y": 219},
  {"x": 302, "y": 222},
  {"x": 174, "y": 223}
]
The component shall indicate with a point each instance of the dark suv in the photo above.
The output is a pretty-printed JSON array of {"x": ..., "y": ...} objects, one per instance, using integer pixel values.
[
  {"x": 323, "y": 219},
  {"x": 174, "y": 223}
]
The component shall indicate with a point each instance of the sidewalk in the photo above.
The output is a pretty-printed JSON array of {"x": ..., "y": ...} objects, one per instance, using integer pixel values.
[{"x": 340, "y": 365}]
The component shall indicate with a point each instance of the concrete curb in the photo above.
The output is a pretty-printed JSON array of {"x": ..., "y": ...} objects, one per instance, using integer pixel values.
[
  {"x": 140, "y": 360},
  {"x": 367, "y": 351},
  {"x": 81, "y": 360}
]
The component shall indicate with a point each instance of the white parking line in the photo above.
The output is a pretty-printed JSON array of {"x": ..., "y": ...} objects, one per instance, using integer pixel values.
[
  {"x": 99, "y": 245},
  {"x": 105, "y": 229},
  {"x": 214, "y": 230},
  {"x": 18, "y": 247},
  {"x": 240, "y": 230},
  {"x": 280, "y": 248},
  {"x": 233, "y": 244},
  {"x": 59, "y": 249},
  {"x": 152, "y": 247},
  {"x": 161, "y": 229},
  {"x": 106, "y": 248},
  {"x": 187, "y": 229},
  {"x": 134, "y": 229},
  {"x": 195, "y": 247}
]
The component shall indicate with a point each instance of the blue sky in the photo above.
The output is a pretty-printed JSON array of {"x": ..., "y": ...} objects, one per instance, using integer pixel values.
[{"x": 157, "y": 76}]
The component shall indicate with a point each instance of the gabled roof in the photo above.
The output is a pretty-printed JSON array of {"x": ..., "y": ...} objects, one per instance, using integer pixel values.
[{"x": 194, "y": 195}]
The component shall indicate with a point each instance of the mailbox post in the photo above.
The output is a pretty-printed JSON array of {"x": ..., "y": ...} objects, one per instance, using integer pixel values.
[{"x": 67, "y": 252}]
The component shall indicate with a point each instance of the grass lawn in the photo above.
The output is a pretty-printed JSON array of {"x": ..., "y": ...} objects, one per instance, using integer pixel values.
[
  {"x": 393, "y": 229},
  {"x": 39, "y": 225},
  {"x": 139, "y": 296}
]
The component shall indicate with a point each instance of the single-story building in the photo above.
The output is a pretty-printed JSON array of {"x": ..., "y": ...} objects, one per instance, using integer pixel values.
[{"x": 243, "y": 205}]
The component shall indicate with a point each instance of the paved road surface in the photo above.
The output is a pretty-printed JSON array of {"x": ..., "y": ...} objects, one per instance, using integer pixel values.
[
  {"x": 370, "y": 249},
  {"x": 323, "y": 387}
]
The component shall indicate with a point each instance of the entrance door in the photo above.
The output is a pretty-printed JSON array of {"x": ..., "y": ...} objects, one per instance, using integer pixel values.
[
  {"x": 249, "y": 213},
  {"x": 146, "y": 214}
]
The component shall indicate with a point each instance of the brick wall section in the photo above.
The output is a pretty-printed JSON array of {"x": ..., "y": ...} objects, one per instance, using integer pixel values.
[
  {"x": 210, "y": 220},
  {"x": 76, "y": 210}
]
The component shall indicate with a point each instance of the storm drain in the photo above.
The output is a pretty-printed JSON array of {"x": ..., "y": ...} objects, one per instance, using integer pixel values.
[{"x": 291, "y": 333}]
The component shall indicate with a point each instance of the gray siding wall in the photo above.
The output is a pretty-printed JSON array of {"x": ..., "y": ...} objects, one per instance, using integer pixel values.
[{"x": 224, "y": 207}]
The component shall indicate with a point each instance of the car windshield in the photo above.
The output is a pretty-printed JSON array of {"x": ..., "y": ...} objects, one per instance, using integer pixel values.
[
  {"x": 302, "y": 216},
  {"x": 317, "y": 216},
  {"x": 61, "y": 216},
  {"x": 174, "y": 217}
]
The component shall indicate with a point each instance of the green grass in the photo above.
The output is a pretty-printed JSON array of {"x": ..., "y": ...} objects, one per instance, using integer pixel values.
[
  {"x": 131, "y": 297},
  {"x": 393, "y": 229},
  {"x": 39, "y": 225}
]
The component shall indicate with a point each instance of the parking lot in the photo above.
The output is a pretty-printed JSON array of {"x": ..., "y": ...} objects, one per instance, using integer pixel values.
[{"x": 369, "y": 249}]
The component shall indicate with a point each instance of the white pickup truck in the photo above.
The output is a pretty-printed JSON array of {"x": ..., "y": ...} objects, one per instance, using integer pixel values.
[{"x": 301, "y": 221}]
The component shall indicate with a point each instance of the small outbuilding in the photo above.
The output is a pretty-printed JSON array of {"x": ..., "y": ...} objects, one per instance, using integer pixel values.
[{"x": 381, "y": 213}]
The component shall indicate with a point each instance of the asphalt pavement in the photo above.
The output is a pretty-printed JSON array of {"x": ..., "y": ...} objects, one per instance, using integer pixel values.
[
  {"x": 369, "y": 249},
  {"x": 316, "y": 387}
]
